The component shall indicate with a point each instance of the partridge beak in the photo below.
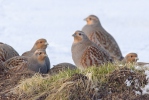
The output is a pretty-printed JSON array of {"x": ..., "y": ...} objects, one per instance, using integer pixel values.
[
  {"x": 46, "y": 43},
  {"x": 74, "y": 35},
  {"x": 136, "y": 58},
  {"x": 85, "y": 19}
]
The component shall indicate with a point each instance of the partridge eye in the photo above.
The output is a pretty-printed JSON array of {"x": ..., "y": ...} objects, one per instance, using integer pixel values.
[
  {"x": 131, "y": 56},
  {"x": 79, "y": 33},
  {"x": 40, "y": 53},
  {"x": 90, "y": 19},
  {"x": 40, "y": 41}
]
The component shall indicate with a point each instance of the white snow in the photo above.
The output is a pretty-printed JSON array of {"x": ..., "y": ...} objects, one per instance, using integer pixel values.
[
  {"x": 145, "y": 89},
  {"x": 137, "y": 92},
  {"x": 22, "y": 22},
  {"x": 128, "y": 82}
]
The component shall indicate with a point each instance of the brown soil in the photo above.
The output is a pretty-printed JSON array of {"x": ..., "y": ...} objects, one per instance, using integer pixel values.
[
  {"x": 120, "y": 91},
  {"x": 84, "y": 88},
  {"x": 8, "y": 81},
  {"x": 115, "y": 89}
]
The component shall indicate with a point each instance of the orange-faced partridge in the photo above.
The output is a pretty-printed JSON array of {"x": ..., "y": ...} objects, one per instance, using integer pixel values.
[
  {"x": 97, "y": 34},
  {"x": 39, "y": 44},
  {"x": 85, "y": 53}
]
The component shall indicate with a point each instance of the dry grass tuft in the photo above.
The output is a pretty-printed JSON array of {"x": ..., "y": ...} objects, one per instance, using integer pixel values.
[{"x": 104, "y": 82}]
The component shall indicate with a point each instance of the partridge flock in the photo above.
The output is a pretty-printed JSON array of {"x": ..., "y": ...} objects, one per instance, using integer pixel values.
[
  {"x": 39, "y": 44},
  {"x": 36, "y": 63},
  {"x": 93, "y": 46}
]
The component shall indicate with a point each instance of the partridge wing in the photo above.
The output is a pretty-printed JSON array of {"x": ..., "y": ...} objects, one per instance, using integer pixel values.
[
  {"x": 94, "y": 56},
  {"x": 16, "y": 64}
]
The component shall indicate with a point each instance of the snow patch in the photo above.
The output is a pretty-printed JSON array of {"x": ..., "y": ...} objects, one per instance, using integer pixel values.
[{"x": 128, "y": 82}]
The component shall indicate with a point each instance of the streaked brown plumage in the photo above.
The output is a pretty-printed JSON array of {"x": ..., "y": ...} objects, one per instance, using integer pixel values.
[
  {"x": 97, "y": 34},
  {"x": 85, "y": 53},
  {"x": 34, "y": 63},
  {"x": 7, "y": 52}
]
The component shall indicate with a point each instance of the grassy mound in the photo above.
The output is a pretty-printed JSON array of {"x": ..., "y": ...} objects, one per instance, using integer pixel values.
[{"x": 106, "y": 82}]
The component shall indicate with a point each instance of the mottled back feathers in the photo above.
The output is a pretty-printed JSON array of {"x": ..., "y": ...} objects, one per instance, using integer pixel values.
[
  {"x": 7, "y": 52},
  {"x": 97, "y": 34}
]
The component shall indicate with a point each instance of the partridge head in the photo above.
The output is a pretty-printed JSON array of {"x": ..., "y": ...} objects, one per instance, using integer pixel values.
[
  {"x": 131, "y": 58},
  {"x": 39, "y": 44},
  {"x": 92, "y": 19}
]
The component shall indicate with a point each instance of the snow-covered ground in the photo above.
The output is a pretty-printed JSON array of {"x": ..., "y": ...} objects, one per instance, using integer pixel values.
[
  {"x": 144, "y": 89},
  {"x": 22, "y": 22}
]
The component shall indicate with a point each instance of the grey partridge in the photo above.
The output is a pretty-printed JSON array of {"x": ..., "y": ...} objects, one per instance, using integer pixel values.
[
  {"x": 61, "y": 67},
  {"x": 85, "y": 53},
  {"x": 97, "y": 34},
  {"x": 6, "y": 52},
  {"x": 131, "y": 58},
  {"x": 39, "y": 44},
  {"x": 34, "y": 63}
]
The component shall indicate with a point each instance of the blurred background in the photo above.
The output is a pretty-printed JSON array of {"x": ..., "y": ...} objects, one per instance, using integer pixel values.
[{"x": 22, "y": 22}]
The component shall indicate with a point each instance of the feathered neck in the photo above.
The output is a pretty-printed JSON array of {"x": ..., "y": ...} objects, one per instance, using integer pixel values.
[{"x": 34, "y": 48}]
